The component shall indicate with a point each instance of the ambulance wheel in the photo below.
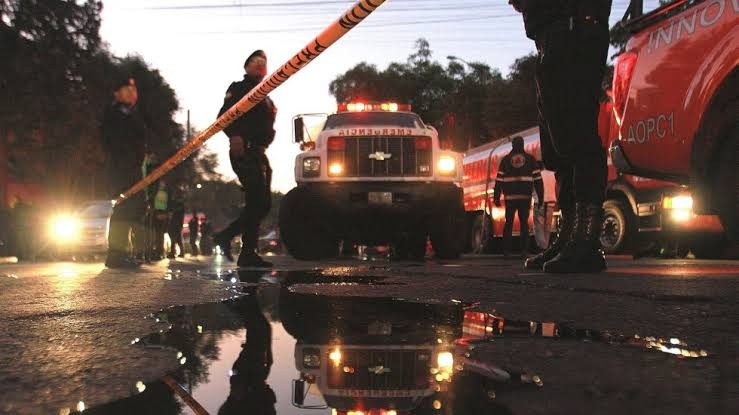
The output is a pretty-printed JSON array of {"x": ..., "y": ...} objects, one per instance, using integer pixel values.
[
  {"x": 617, "y": 230},
  {"x": 307, "y": 235},
  {"x": 727, "y": 183},
  {"x": 412, "y": 245},
  {"x": 447, "y": 235}
]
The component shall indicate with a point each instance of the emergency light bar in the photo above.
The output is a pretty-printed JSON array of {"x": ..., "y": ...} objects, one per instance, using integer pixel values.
[{"x": 375, "y": 106}]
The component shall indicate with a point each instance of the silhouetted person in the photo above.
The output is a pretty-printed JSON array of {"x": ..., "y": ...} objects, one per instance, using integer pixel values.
[
  {"x": 250, "y": 393},
  {"x": 194, "y": 226},
  {"x": 249, "y": 136},
  {"x": 518, "y": 175},
  {"x": 174, "y": 228},
  {"x": 124, "y": 143}
]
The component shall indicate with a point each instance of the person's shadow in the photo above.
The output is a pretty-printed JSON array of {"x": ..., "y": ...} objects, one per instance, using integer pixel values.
[{"x": 250, "y": 392}]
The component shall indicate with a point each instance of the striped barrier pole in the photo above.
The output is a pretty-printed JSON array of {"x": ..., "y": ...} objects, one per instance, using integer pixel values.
[{"x": 312, "y": 50}]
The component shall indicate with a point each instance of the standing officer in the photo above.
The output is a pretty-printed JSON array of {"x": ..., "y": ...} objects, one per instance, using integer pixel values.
[
  {"x": 249, "y": 137},
  {"x": 174, "y": 228},
  {"x": 518, "y": 175},
  {"x": 194, "y": 226},
  {"x": 124, "y": 143},
  {"x": 572, "y": 39}
]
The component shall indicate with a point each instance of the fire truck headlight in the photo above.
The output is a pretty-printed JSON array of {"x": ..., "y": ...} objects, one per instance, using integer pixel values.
[
  {"x": 335, "y": 169},
  {"x": 311, "y": 358},
  {"x": 447, "y": 166},
  {"x": 64, "y": 228},
  {"x": 312, "y": 167},
  {"x": 445, "y": 360}
]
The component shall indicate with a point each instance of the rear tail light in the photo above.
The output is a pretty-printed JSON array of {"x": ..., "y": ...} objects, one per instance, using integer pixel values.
[
  {"x": 423, "y": 143},
  {"x": 336, "y": 144},
  {"x": 622, "y": 74}
]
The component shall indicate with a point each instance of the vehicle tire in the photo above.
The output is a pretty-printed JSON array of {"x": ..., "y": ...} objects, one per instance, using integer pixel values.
[
  {"x": 305, "y": 231},
  {"x": 618, "y": 229},
  {"x": 447, "y": 235},
  {"x": 727, "y": 183},
  {"x": 477, "y": 232}
]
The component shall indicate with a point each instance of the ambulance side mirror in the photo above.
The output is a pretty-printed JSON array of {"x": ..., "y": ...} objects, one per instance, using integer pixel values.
[{"x": 298, "y": 130}]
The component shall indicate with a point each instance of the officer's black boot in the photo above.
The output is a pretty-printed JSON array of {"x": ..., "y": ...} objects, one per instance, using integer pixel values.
[
  {"x": 119, "y": 259},
  {"x": 583, "y": 253},
  {"x": 248, "y": 256},
  {"x": 565, "y": 233}
]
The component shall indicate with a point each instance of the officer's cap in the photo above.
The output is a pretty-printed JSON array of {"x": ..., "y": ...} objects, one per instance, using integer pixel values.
[{"x": 258, "y": 52}]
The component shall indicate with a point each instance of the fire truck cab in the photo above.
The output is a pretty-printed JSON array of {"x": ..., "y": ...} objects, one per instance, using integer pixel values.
[
  {"x": 675, "y": 101},
  {"x": 375, "y": 173}
]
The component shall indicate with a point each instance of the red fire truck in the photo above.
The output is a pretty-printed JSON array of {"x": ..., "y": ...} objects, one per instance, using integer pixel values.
[
  {"x": 638, "y": 210},
  {"x": 676, "y": 102}
]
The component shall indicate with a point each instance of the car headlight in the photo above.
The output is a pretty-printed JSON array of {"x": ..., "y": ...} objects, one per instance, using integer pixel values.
[
  {"x": 64, "y": 228},
  {"x": 447, "y": 166},
  {"x": 311, "y": 167},
  {"x": 311, "y": 358},
  {"x": 445, "y": 360}
]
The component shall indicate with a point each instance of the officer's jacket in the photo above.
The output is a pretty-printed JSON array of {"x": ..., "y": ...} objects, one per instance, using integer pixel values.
[
  {"x": 124, "y": 138},
  {"x": 256, "y": 127},
  {"x": 538, "y": 15},
  {"x": 518, "y": 175}
]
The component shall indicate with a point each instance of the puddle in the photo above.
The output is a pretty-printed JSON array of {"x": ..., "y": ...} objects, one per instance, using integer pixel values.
[
  {"x": 330, "y": 276},
  {"x": 274, "y": 351}
]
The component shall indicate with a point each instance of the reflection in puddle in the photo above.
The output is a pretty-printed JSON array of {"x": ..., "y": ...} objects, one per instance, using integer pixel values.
[{"x": 274, "y": 351}]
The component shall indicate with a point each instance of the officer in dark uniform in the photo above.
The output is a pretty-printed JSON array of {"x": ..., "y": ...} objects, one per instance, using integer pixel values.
[
  {"x": 124, "y": 143},
  {"x": 518, "y": 175},
  {"x": 249, "y": 137},
  {"x": 572, "y": 39}
]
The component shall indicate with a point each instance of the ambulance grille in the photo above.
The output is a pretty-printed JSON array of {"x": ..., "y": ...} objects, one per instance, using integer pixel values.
[
  {"x": 381, "y": 369},
  {"x": 401, "y": 159}
]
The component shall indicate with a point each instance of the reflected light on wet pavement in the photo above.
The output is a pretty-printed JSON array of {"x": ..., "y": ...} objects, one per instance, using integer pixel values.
[{"x": 274, "y": 350}]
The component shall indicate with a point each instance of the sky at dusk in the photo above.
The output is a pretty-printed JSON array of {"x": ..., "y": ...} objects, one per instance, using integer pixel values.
[{"x": 199, "y": 46}]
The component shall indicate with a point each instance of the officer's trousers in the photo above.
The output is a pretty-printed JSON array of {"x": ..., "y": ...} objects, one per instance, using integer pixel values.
[
  {"x": 569, "y": 75},
  {"x": 255, "y": 175},
  {"x": 127, "y": 217},
  {"x": 523, "y": 207}
]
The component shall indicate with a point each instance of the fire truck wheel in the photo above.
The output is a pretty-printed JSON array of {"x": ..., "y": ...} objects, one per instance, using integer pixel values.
[
  {"x": 304, "y": 232},
  {"x": 477, "y": 245},
  {"x": 618, "y": 223},
  {"x": 447, "y": 236},
  {"x": 728, "y": 178}
]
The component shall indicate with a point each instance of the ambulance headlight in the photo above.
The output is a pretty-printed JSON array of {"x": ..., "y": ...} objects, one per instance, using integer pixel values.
[
  {"x": 447, "y": 166},
  {"x": 311, "y": 358},
  {"x": 311, "y": 167}
]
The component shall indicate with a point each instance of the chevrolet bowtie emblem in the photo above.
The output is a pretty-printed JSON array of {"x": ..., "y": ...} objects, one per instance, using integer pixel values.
[
  {"x": 379, "y": 370},
  {"x": 380, "y": 156}
]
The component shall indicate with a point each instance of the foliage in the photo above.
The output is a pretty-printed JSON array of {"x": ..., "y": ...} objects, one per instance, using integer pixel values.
[
  {"x": 55, "y": 81},
  {"x": 469, "y": 105}
]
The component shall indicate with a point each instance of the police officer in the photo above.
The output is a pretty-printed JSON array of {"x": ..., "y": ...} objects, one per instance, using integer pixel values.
[
  {"x": 572, "y": 40},
  {"x": 518, "y": 175},
  {"x": 124, "y": 143},
  {"x": 249, "y": 137}
]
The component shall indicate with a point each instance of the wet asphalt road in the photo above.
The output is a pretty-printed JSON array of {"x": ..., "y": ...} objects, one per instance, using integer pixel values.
[{"x": 68, "y": 330}]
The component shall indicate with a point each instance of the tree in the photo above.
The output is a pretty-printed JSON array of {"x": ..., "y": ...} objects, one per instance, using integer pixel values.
[{"x": 469, "y": 105}]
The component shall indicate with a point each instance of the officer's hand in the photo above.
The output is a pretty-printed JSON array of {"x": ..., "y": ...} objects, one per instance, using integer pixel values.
[
  {"x": 497, "y": 202},
  {"x": 236, "y": 146}
]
